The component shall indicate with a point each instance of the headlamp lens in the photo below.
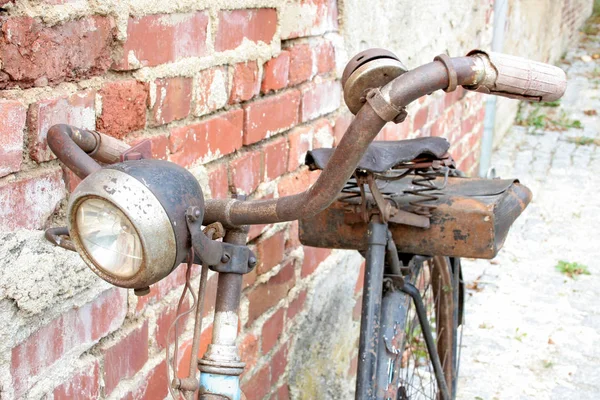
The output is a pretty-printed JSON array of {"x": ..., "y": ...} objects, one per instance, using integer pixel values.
[{"x": 109, "y": 238}]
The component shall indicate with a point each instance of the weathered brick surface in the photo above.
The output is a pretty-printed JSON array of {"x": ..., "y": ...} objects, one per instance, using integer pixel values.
[
  {"x": 235, "y": 26},
  {"x": 301, "y": 63},
  {"x": 270, "y": 115},
  {"x": 217, "y": 136},
  {"x": 123, "y": 359},
  {"x": 77, "y": 110},
  {"x": 268, "y": 294},
  {"x": 12, "y": 115},
  {"x": 37, "y": 55},
  {"x": 275, "y": 73},
  {"x": 212, "y": 90},
  {"x": 246, "y": 82},
  {"x": 172, "y": 99},
  {"x": 123, "y": 107},
  {"x": 27, "y": 203},
  {"x": 246, "y": 172},
  {"x": 85, "y": 384},
  {"x": 175, "y": 37},
  {"x": 76, "y": 330}
]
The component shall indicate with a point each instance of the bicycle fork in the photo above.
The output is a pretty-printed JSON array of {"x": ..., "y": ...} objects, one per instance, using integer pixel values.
[{"x": 370, "y": 324}]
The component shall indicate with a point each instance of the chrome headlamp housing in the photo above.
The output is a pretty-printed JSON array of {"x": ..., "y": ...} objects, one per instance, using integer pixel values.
[{"x": 127, "y": 220}]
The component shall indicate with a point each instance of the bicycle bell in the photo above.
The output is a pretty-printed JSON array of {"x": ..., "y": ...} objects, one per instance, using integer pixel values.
[{"x": 368, "y": 69}]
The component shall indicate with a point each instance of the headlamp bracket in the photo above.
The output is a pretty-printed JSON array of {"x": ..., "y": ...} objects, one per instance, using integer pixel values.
[{"x": 219, "y": 256}]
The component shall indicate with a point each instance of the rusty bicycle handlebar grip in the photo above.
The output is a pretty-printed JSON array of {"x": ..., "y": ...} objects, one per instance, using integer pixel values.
[
  {"x": 517, "y": 78},
  {"x": 109, "y": 149}
]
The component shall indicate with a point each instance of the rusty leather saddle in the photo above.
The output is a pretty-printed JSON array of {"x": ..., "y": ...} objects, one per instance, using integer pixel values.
[{"x": 471, "y": 218}]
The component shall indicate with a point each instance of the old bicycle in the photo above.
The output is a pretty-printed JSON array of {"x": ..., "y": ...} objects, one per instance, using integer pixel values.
[{"x": 402, "y": 204}]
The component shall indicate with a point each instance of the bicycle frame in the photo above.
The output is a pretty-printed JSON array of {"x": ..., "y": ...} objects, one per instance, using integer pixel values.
[{"x": 221, "y": 365}]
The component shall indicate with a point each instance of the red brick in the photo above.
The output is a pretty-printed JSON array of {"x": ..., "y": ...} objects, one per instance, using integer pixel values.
[
  {"x": 342, "y": 123},
  {"x": 360, "y": 281},
  {"x": 300, "y": 140},
  {"x": 313, "y": 256},
  {"x": 275, "y": 72},
  {"x": 155, "y": 385},
  {"x": 77, "y": 110},
  {"x": 249, "y": 350},
  {"x": 357, "y": 309},
  {"x": 270, "y": 115},
  {"x": 453, "y": 97},
  {"x": 268, "y": 294},
  {"x": 83, "y": 385},
  {"x": 210, "y": 295},
  {"x": 246, "y": 172},
  {"x": 12, "y": 115},
  {"x": 324, "y": 55},
  {"x": 320, "y": 99},
  {"x": 37, "y": 55},
  {"x": 270, "y": 252},
  {"x": 174, "y": 37},
  {"x": 276, "y": 157},
  {"x": 353, "y": 366},
  {"x": 283, "y": 393},
  {"x": 172, "y": 99},
  {"x": 71, "y": 180},
  {"x": 279, "y": 363},
  {"x": 27, "y": 203},
  {"x": 207, "y": 140},
  {"x": 257, "y": 387},
  {"x": 163, "y": 287},
  {"x": 256, "y": 25},
  {"x": 296, "y": 305},
  {"x": 79, "y": 327},
  {"x": 313, "y": 17},
  {"x": 468, "y": 124},
  {"x": 212, "y": 90},
  {"x": 323, "y": 134},
  {"x": 218, "y": 182},
  {"x": 420, "y": 118},
  {"x": 123, "y": 108},
  {"x": 158, "y": 145},
  {"x": 184, "y": 357},
  {"x": 246, "y": 83},
  {"x": 301, "y": 63},
  {"x": 399, "y": 131},
  {"x": 249, "y": 279},
  {"x": 294, "y": 183},
  {"x": 293, "y": 241},
  {"x": 125, "y": 358},
  {"x": 272, "y": 330},
  {"x": 165, "y": 319}
]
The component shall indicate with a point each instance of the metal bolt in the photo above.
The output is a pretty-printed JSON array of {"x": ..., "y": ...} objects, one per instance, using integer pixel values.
[
  {"x": 252, "y": 261},
  {"x": 193, "y": 213},
  {"x": 225, "y": 258}
]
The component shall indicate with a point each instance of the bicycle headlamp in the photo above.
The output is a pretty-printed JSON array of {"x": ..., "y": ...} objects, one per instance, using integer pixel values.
[{"x": 127, "y": 221}]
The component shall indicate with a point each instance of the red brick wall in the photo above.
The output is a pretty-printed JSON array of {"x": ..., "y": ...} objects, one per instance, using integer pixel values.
[{"x": 217, "y": 91}]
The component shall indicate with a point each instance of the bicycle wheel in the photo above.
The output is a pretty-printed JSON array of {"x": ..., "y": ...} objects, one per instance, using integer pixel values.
[{"x": 405, "y": 369}]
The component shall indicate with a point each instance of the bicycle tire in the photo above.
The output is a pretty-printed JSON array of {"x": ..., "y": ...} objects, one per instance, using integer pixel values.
[{"x": 402, "y": 352}]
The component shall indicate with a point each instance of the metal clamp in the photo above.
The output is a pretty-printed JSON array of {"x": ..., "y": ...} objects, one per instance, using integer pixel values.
[
  {"x": 219, "y": 256},
  {"x": 384, "y": 108},
  {"x": 452, "y": 77}
]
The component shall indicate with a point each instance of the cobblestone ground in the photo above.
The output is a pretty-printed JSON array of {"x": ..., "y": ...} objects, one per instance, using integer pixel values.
[{"x": 531, "y": 331}]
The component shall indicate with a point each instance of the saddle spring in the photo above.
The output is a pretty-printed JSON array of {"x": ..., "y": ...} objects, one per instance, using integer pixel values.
[{"x": 424, "y": 182}]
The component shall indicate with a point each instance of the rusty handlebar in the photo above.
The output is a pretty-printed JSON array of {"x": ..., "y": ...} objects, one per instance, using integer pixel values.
[
  {"x": 78, "y": 148},
  {"x": 484, "y": 72}
]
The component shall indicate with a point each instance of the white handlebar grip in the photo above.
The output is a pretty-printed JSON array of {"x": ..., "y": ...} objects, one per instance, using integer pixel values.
[{"x": 518, "y": 78}]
